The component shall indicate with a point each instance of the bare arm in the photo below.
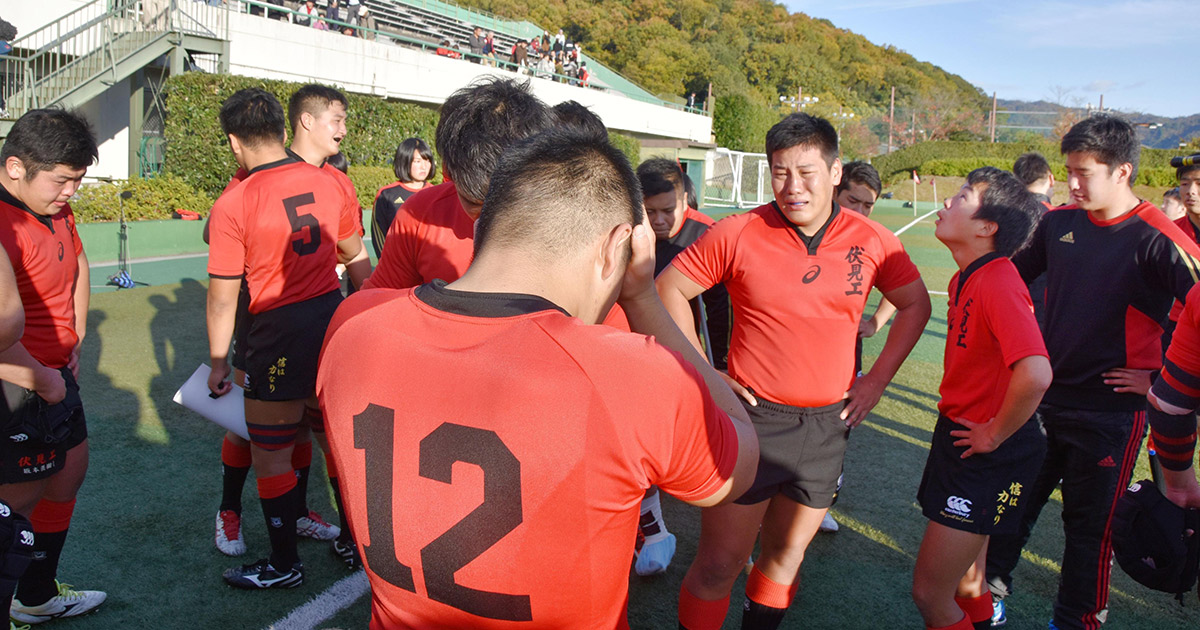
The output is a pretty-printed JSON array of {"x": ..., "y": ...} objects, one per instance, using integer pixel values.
[
  {"x": 912, "y": 304},
  {"x": 648, "y": 315},
  {"x": 875, "y": 323},
  {"x": 222, "y": 312},
  {"x": 19, "y": 367},
  {"x": 1030, "y": 379},
  {"x": 358, "y": 262},
  {"x": 676, "y": 291},
  {"x": 12, "y": 312},
  {"x": 83, "y": 296}
]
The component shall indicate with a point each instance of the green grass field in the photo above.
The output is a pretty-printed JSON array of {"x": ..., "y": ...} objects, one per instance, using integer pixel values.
[{"x": 144, "y": 523}]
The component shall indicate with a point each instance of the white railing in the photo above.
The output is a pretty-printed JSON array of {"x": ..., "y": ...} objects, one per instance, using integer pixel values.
[{"x": 737, "y": 179}]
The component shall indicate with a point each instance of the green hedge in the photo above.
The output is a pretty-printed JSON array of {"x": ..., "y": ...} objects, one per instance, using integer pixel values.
[
  {"x": 368, "y": 180},
  {"x": 956, "y": 158},
  {"x": 197, "y": 151},
  {"x": 630, "y": 146},
  {"x": 153, "y": 198}
]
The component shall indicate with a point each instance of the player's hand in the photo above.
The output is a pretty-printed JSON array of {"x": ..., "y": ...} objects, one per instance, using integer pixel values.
[
  {"x": 975, "y": 437},
  {"x": 1129, "y": 381},
  {"x": 51, "y": 385},
  {"x": 738, "y": 388},
  {"x": 861, "y": 399},
  {"x": 638, "y": 282},
  {"x": 866, "y": 327},
  {"x": 218, "y": 378},
  {"x": 73, "y": 363}
]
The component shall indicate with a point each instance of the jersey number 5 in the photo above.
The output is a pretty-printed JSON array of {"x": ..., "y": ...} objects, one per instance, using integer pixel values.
[
  {"x": 499, "y": 514},
  {"x": 301, "y": 245}
]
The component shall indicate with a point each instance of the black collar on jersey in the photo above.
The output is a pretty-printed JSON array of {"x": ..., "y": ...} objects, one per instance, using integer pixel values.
[
  {"x": 488, "y": 305},
  {"x": 814, "y": 241},
  {"x": 7, "y": 198},
  {"x": 972, "y": 268},
  {"x": 1195, "y": 230},
  {"x": 292, "y": 158}
]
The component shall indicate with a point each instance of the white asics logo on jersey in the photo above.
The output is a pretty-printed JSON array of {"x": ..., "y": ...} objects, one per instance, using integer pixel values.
[
  {"x": 20, "y": 437},
  {"x": 958, "y": 506},
  {"x": 26, "y": 538}
]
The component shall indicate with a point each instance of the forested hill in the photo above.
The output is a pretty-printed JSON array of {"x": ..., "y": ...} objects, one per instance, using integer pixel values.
[{"x": 752, "y": 51}]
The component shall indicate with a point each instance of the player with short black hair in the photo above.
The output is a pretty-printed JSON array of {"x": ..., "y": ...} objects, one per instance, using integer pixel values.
[
  {"x": 1172, "y": 204},
  {"x": 315, "y": 100},
  {"x": 1113, "y": 264},
  {"x": 987, "y": 443},
  {"x": 432, "y": 234},
  {"x": 283, "y": 229},
  {"x": 44, "y": 460},
  {"x": 1034, "y": 172},
  {"x": 676, "y": 226},
  {"x": 860, "y": 187},
  {"x": 574, "y": 113},
  {"x": 568, "y": 421},
  {"x": 414, "y": 166},
  {"x": 798, "y": 271}
]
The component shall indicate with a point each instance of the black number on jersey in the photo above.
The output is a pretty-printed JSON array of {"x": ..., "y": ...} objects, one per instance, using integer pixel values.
[
  {"x": 300, "y": 244},
  {"x": 499, "y": 514}
]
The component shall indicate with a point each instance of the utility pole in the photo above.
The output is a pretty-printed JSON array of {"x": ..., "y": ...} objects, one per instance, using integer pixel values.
[
  {"x": 993, "y": 125},
  {"x": 891, "y": 118}
]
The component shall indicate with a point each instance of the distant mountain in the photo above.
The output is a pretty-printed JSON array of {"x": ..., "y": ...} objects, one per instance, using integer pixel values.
[{"x": 1035, "y": 114}]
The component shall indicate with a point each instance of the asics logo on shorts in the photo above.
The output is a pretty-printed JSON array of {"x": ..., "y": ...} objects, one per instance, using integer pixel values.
[
  {"x": 20, "y": 437},
  {"x": 26, "y": 538},
  {"x": 5, "y": 512},
  {"x": 958, "y": 506}
]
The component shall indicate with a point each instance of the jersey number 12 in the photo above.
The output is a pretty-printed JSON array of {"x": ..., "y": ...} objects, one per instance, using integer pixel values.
[{"x": 499, "y": 514}]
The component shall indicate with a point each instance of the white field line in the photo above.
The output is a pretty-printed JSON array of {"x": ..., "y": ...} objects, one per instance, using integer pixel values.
[
  {"x": 916, "y": 221},
  {"x": 319, "y": 609}
]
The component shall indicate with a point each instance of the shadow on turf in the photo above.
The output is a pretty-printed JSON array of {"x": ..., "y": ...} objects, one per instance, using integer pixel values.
[{"x": 179, "y": 340}]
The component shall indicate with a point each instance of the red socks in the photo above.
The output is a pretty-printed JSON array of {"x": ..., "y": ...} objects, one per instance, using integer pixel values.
[{"x": 701, "y": 614}]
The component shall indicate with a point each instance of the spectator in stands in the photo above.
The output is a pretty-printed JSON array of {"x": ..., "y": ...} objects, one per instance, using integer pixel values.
[
  {"x": 308, "y": 15},
  {"x": 545, "y": 66},
  {"x": 560, "y": 41},
  {"x": 584, "y": 74},
  {"x": 335, "y": 14},
  {"x": 489, "y": 49},
  {"x": 413, "y": 165},
  {"x": 546, "y": 42},
  {"x": 476, "y": 44},
  {"x": 520, "y": 57},
  {"x": 352, "y": 7}
]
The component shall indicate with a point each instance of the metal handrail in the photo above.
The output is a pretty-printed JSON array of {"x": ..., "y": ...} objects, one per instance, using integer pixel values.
[{"x": 88, "y": 42}]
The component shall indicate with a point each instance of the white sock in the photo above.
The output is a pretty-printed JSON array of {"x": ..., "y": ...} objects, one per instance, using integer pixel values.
[{"x": 652, "y": 524}]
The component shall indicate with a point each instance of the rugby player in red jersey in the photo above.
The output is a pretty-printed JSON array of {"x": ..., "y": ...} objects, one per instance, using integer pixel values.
[
  {"x": 987, "y": 443},
  {"x": 45, "y": 156}
]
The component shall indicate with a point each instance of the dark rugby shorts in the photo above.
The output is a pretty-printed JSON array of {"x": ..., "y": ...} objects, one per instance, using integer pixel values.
[
  {"x": 283, "y": 346},
  {"x": 26, "y": 456},
  {"x": 241, "y": 329},
  {"x": 801, "y": 450},
  {"x": 984, "y": 493}
]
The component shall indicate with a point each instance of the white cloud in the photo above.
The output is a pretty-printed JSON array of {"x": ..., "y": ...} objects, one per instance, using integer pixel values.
[{"x": 1103, "y": 85}]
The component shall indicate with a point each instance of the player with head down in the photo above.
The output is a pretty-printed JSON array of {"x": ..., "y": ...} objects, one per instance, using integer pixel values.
[
  {"x": 45, "y": 156},
  {"x": 498, "y": 386},
  {"x": 284, "y": 229}
]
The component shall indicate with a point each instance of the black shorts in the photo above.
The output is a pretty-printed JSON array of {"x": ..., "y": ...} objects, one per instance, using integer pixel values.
[
  {"x": 241, "y": 328},
  {"x": 982, "y": 494},
  {"x": 283, "y": 346},
  {"x": 26, "y": 454},
  {"x": 801, "y": 450}
]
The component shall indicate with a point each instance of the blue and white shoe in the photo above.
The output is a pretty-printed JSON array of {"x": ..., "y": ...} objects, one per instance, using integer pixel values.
[
  {"x": 655, "y": 557},
  {"x": 998, "y": 616}
]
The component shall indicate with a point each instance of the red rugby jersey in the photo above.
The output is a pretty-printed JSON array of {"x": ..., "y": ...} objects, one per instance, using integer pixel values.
[
  {"x": 432, "y": 237},
  {"x": 280, "y": 228},
  {"x": 796, "y": 306},
  {"x": 1190, "y": 229},
  {"x": 343, "y": 180},
  {"x": 493, "y": 454},
  {"x": 45, "y": 257},
  {"x": 990, "y": 326}
]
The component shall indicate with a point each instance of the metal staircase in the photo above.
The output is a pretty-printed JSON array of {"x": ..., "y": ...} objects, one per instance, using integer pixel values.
[{"x": 77, "y": 57}]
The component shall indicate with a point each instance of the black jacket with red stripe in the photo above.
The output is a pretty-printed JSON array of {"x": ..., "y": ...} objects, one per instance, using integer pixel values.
[{"x": 1109, "y": 287}]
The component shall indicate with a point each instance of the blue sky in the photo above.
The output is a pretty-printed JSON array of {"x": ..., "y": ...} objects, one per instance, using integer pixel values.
[{"x": 1031, "y": 50}]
